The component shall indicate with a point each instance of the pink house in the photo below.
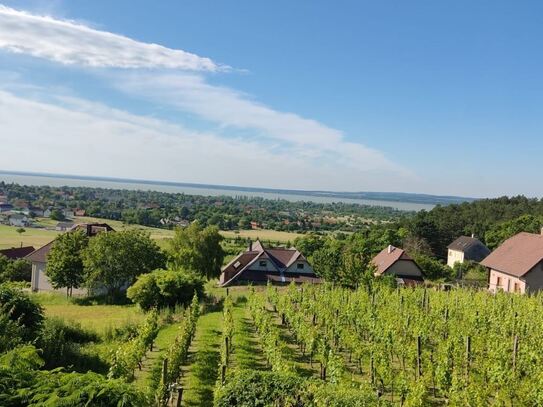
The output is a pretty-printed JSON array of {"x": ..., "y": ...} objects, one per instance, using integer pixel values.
[{"x": 517, "y": 265}]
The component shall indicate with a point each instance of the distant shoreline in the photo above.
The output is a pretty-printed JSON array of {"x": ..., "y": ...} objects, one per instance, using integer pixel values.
[{"x": 398, "y": 197}]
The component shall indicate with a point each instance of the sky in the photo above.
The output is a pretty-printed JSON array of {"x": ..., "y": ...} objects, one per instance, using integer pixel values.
[{"x": 421, "y": 96}]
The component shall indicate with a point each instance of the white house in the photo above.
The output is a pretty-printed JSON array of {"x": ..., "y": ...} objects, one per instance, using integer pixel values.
[
  {"x": 466, "y": 248},
  {"x": 38, "y": 258}
]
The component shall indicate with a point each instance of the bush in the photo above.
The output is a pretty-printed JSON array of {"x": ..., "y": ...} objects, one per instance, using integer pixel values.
[
  {"x": 250, "y": 388},
  {"x": 165, "y": 288},
  {"x": 22, "y": 309}
]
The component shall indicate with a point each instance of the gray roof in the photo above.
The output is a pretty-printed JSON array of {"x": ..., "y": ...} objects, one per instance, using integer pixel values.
[{"x": 472, "y": 248}]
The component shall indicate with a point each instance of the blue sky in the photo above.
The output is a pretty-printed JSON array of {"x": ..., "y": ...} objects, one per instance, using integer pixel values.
[{"x": 419, "y": 96}]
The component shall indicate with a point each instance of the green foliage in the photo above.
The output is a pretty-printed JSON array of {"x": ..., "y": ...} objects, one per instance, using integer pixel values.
[
  {"x": 56, "y": 214},
  {"x": 199, "y": 249},
  {"x": 59, "y": 342},
  {"x": 14, "y": 270},
  {"x": 178, "y": 352},
  {"x": 127, "y": 357},
  {"x": 65, "y": 262},
  {"x": 503, "y": 231},
  {"x": 22, "y": 384},
  {"x": 433, "y": 269},
  {"x": 165, "y": 288},
  {"x": 250, "y": 388},
  {"x": 114, "y": 260},
  {"x": 21, "y": 309}
]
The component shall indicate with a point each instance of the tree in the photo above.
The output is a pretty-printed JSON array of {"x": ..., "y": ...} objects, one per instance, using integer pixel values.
[
  {"x": 65, "y": 261},
  {"x": 327, "y": 261},
  {"x": 56, "y": 214},
  {"x": 113, "y": 260},
  {"x": 199, "y": 249},
  {"x": 165, "y": 288},
  {"x": 503, "y": 231},
  {"x": 20, "y": 308}
]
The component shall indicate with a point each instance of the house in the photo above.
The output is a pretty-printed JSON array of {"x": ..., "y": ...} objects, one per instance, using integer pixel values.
[
  {"x": 259, "y": 264},
  {"x": 18, "y": 220},
  {"x": 17, "y": 252},
  {"x": 39, "y": 280},
  {"x": 5, "y": 207},
  {"x": 64, "y": 226},
  {"x": 466, "y": 248},
  {"x": 36, "y": 211},
  {"x": 516, "y": 265},
  {"x": 79, "y": 212},
  {"x": 396, "y": 262}
]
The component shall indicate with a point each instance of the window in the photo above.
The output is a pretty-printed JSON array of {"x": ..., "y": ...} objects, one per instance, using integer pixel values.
[
  {"x": 237, "y": 264},
  {"x": 498, "y": 282},
  {"x": 262, "y": 263},
  {"x": 300, "y": 266},
  {"x": 517, "y": 287}
]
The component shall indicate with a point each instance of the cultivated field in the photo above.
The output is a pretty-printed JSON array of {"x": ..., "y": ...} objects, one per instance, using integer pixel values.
[{"x": 37, "y": 237}]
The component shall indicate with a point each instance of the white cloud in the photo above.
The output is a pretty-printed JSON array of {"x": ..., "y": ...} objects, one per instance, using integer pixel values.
[
  {"x": 229, "y": 108},
  {"x": 72, "y": 43},
  {"x": 279, "y": 149},
  {"x": 79, "y": 137}
]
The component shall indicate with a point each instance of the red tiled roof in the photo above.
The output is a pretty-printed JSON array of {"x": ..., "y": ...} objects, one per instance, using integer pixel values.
[
  {"x": 17, "y": 252},
  {"x": 387, "y": 257},
  {"x": 517, "y": 255}
]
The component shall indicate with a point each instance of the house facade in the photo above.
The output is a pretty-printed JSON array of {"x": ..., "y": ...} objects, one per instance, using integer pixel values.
[
  {"x": 259, "y": 265},
  {"x": 516, "y": 266},
  {"x": 38, "y": 258},
  {"x": 396, "y": 262},
  {"x": 466, "y": 248}
]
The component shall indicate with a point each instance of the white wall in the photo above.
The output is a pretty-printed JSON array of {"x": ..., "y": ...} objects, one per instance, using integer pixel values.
[{"x": 454, "y": 256}]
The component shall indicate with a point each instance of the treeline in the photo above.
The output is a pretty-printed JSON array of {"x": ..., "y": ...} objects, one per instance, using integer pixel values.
[
  {"x": 160, "y": 209},
  {"x": 490, "y": 220}
]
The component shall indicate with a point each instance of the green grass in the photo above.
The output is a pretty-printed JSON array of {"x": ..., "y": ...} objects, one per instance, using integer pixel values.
[
  {"x": 200, "y": 377},
  {"x": 246, "y": 351},
  {"x": 31, "y": 237},
  {"x": 263, "y": 234},
  {"x": 96, "y": 317}
]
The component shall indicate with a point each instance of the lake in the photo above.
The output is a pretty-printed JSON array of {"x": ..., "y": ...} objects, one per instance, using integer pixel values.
[{"x": 197, "y": 190}]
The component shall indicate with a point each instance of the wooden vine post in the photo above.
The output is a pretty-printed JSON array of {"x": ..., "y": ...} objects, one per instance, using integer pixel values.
[
  {"x": 515, "y": 351},
  {"x": 419, "y": 358},
  {"x": 468, "y": 356}
]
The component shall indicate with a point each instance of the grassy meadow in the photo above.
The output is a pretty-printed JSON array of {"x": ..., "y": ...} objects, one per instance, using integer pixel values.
[{"x": 37, "y": 237}]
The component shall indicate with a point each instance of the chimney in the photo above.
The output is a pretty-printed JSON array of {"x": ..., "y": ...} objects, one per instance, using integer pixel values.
[
  {"x": 390, "y": 248},
  {"x": 250, "y": 246},
  {"x": 473, "y": 235},
  {"x": 542, "y": 230}
]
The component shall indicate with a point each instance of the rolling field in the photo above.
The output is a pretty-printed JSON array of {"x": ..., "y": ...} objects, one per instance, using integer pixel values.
[{"x": 37, "y": 237}]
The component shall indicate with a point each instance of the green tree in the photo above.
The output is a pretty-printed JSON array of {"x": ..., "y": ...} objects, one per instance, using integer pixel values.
[
  {"x": 65, "y": 261},
  {"x": 199, "y": 249},
  {"x": 165, "y": 288},
  {"x": 56, "y": 214},
  {"x": 327, "y": 261},
  {"x": 503, "y": 231},
  {"x": 113, "y": 260}
]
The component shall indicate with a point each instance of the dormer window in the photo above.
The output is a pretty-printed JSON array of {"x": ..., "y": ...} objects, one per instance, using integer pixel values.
[{"x": 262, "y": 263}]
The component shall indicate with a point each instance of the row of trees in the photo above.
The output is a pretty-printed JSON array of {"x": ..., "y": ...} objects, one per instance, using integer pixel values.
[{"x": 112, "y": 262}]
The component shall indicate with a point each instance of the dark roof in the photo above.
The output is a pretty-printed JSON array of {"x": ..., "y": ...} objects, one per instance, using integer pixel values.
[
  {"x": 17, "y": 252},
  {"x": 472, "y": 248},
  {"x": 518, "y": 255},
  {"x": 281, "y": 258},
  {"x": 388, "y": 257}
]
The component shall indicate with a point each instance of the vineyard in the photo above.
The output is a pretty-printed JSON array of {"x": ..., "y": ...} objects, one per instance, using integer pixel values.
[{"x": 384, "y": 346}]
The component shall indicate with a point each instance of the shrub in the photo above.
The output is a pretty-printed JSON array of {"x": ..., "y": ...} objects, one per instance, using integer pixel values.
[
  {"x": 165, "y": 288},
  {"x": 249, "y": 388},
  {"x": 22, "y": 309}
]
